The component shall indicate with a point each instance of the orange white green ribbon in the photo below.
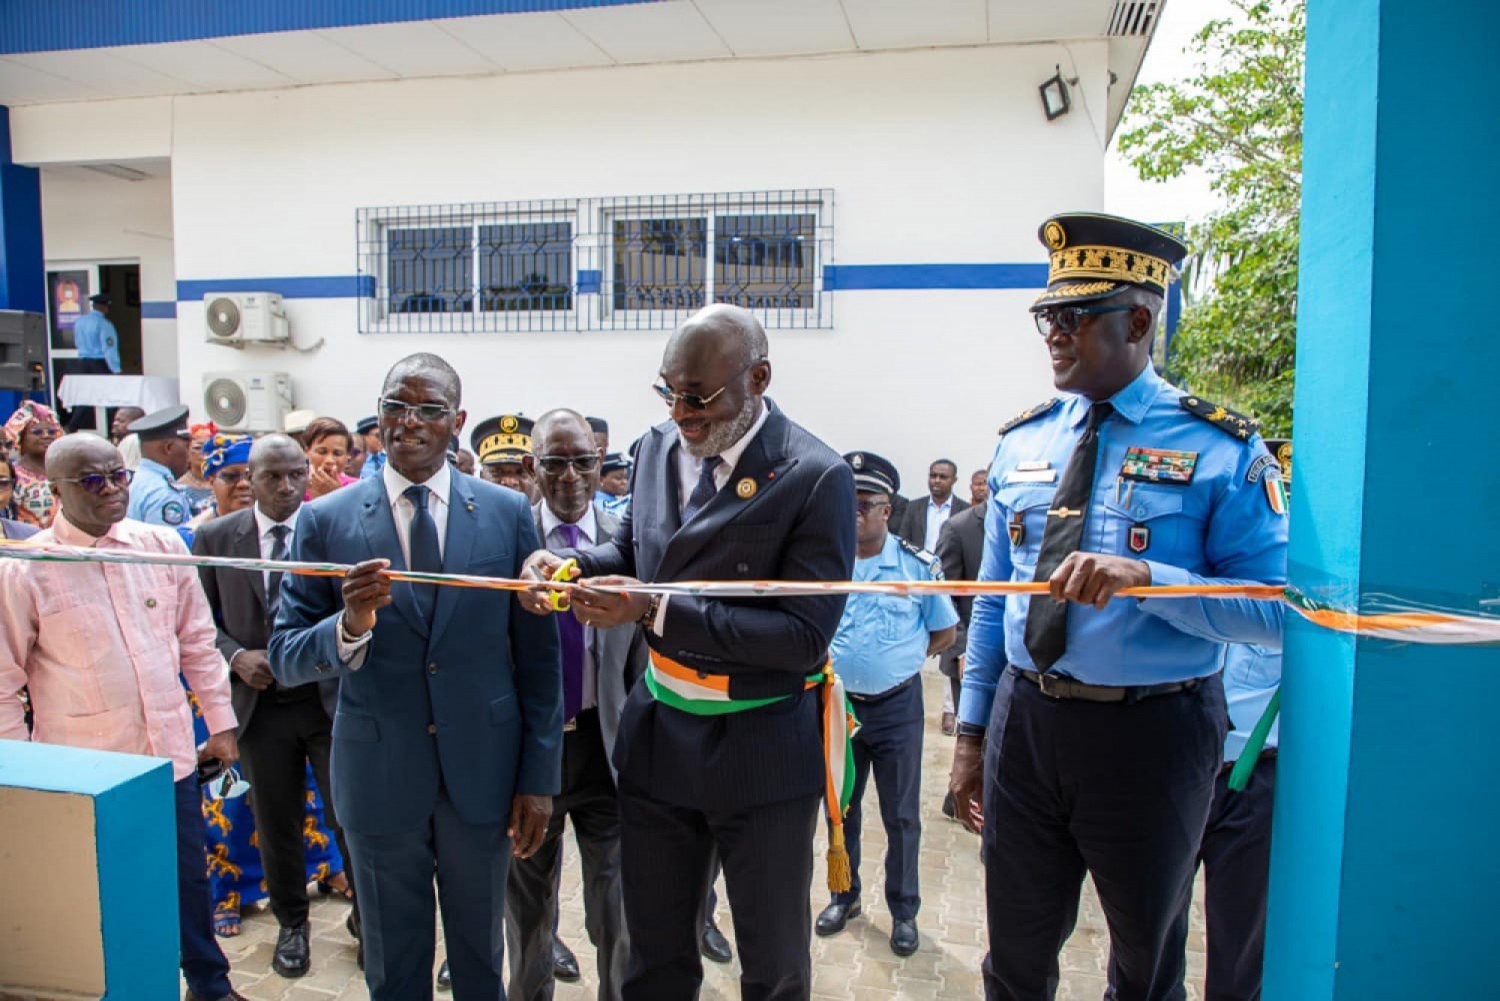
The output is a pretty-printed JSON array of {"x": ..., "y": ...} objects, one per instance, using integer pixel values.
[{"x": 703, "y": 694}]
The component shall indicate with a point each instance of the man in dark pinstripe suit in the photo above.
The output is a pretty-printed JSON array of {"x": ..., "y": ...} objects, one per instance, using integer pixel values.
[{"x": 729, "y": 489}]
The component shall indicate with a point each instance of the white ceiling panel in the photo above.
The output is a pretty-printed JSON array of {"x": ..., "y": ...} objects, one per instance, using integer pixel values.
[
  {"x": 205, "y": 66},
  {"x": 778, "y": 27},
  {"x": 527, "y": 41},
  {"x": 413, "y": 48},
  {"x": 1017, "y": 21},
  {"x": 648, "y": 33},
  {"x": 28, "y": 85},
  {"x": 305, "y": 56},
  {"x": 900, "y": 24},
  {"x": 103, "y": 71}
]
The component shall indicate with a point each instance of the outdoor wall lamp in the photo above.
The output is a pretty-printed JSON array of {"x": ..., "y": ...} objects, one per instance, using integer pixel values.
[{"x": 1055, "y": 101}]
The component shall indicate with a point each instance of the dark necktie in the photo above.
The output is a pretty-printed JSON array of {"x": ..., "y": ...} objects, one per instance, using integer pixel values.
[
  {"x": 570, "y": 635},
  {"x": 1047, "y": 620},
  {"x": 279, "y": 554},
  {"x": 705, "y": 490},
  {"x": 422, "y": 540}
]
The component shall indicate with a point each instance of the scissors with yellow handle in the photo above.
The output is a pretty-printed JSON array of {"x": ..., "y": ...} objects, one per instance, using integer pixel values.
[{"x": 560, "y": 600}]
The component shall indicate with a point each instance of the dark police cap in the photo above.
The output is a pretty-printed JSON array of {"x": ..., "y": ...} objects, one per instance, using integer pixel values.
[
  {"x": 598, "y": 425},
  {"x": 101, "y": 299},
  {"x": 169, "y": 423},
  {"x": 874, "y": 474},
  {"x": 614, "y": 462},
  {"x": 502, "y": 439},
  {"x": 367, "y": 424},
  {"x": 1095, "y": 256}
]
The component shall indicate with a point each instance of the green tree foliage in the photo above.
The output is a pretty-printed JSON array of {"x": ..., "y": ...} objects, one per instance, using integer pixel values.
[{"x": 1239, "y": 119}]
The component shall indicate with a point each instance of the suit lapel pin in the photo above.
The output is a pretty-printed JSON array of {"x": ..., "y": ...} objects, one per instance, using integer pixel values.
[{"x": 745, "y": 488}]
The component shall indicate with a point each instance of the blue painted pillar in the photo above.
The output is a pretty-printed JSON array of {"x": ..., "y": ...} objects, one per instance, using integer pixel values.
[
  {"x": 23, "y": 278},
  {"x": 1384, "y": 864}
]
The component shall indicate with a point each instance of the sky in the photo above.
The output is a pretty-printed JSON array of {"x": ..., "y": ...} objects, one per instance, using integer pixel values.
[{"x": 1170, "y": 201}]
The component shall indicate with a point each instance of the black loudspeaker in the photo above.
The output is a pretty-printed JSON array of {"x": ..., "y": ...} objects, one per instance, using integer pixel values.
[{"x": 23, "y": 350}]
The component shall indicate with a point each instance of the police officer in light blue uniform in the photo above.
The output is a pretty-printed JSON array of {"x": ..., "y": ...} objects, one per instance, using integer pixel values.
[
  {"x": 155, "y": 497},
  {"x": 375, "y": 457},
  {"x": 97, "y": 340},
  {"x": 1094, "y": 727},
  {"x": 878, "y": 651}
]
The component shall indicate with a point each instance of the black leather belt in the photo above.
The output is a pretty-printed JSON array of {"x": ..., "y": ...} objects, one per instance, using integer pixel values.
[
  {"x": 1056, "y": 686},
  {"x": 882, "y": 696}
]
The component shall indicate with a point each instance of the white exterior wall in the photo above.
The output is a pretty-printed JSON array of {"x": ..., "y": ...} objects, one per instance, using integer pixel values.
[
  {"x": 91, "y": 219},
  {"x": 934, "y": 156}
]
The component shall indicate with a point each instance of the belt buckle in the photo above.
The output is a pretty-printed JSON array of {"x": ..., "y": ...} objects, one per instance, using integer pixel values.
[{"x": 1042, "y": 683}]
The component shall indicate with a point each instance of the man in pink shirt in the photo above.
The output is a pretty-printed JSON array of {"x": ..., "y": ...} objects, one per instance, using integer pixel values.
[{"x": 100, "y": 645}]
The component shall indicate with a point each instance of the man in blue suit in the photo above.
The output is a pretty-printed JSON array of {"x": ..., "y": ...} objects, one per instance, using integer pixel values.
[
  {"x": 447, "y": 740},
  {"x": 719, "y": 750}
]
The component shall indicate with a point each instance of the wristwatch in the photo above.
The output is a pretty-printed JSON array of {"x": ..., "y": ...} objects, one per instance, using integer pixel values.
[{"x": 971, "y": 730}]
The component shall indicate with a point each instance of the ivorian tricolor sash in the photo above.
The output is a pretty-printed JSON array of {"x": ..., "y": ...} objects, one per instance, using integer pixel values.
[{"x": 701, "y": 694}]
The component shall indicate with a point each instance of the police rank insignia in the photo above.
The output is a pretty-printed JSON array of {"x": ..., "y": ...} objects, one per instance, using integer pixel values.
[
  {"x": 1140, "y": 538},
  {"x": 1223, "y": 418},
  {"x": 1031, "y": 414},
  {"x": 745, "y": 488},
  {"x": 1158, "y": 465}
]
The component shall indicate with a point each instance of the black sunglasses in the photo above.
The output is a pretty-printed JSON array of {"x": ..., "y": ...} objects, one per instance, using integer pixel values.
[
  {"x": 693, "y": 401},
  {"x": 429, "y": 412},
  {"x": 1068, "y": 319},
  {"x": 556, "y": 465},
  {"x": 95, "y": 483}
]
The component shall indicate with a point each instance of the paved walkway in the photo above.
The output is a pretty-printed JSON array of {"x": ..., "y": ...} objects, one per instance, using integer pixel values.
[{"x": 857, "y": 964}]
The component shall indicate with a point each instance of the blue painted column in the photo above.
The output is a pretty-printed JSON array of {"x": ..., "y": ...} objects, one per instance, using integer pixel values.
[
  {"x": 23, "y": 279},
  {"x": 1384, "y": 863}
]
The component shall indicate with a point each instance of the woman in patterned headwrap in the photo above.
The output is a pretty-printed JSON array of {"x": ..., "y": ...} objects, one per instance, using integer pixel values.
[
  {"x": 33, "y": 427},
  {"x": 234, "y": 866},
  {"x": 195, "y": 481}
]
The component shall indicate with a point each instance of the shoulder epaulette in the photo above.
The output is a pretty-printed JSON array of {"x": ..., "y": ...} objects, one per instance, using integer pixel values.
[
  {"x": 1031, "y": 414},
  {"x": 1223, "y": 418},
  {"x": 927, "y": 558}
]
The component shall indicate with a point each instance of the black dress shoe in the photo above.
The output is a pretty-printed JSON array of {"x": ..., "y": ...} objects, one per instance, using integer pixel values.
[
  {"x": 444, "y": 981},
  {"x": 713, "y": 945},
  {"x": 833, "y": 917},
  {"x": 291, "y": 956},
  {"x": 904, "y": 938},
  {"x": 564, "y": 963}
]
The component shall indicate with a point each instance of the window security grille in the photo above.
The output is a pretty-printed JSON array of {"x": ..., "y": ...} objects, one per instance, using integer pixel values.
[{"x": 596, "y": 263}]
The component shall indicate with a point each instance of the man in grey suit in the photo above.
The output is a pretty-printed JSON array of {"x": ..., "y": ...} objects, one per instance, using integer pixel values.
[{"x": 599, "y": 666}]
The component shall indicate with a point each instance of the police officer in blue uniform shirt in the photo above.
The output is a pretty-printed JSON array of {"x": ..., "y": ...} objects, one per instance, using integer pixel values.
[
  {"x": 368, "y": 430},
  {"x": 615, "y": 471},
  {"x": 1093, "y": 727},
  {"x": 97, "y": 340},
  {"x": 878, "y": 651},
  {"x": 155, "y": 497},
  {"x": 1236, "y": 851}
]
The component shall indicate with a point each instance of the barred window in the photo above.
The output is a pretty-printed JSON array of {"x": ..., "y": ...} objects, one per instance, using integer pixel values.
[{"x": 596, "y": 263}]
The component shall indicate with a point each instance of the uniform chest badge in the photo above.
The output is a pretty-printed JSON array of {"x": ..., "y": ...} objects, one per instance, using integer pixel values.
[
  {"x": 745, "y": 489},
  {"x": 1140, "y": 538},
  {"x": 1159, "y": 465},
  {"x": 1017, "y": 528}
]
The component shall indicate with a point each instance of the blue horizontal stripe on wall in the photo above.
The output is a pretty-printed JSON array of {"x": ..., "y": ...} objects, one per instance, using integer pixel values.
[
  {"x": 158, "y": 310},
  {"x": 321, "y": 287},
  {"x": 849, "y": 277},
  {"x": 51, "y": 25}
]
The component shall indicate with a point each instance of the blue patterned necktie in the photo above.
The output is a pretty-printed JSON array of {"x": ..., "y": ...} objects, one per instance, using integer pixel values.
[
  {"x": 422, "y": 541},
  {"x": 705, "y": 490}
]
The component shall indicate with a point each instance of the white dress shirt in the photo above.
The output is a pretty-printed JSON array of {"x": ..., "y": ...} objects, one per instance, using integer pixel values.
[
  {"x": 936, "y": 515},
  {"x": 352, "y": 652},
  {"x": 689, "y": 468},
  {"x": 588, "y": 536}
]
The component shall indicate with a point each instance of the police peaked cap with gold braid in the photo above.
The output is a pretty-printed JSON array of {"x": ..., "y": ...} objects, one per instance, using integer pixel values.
[
  {"x": 502, "y": 439},
  {"x": 1095, "y": 256}
]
